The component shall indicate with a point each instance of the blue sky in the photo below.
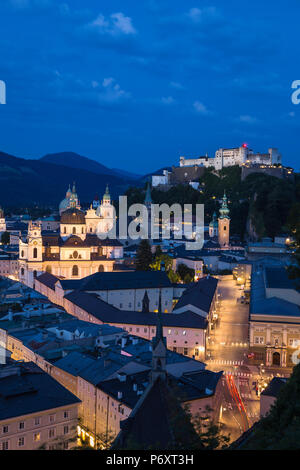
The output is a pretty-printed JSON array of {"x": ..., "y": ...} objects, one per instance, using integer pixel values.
[{"x": 135, "y": 84}]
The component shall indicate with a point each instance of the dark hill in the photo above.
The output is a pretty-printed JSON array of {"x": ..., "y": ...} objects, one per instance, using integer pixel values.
[
  {"x": 74, "y": 160},
  {"x": 27, "y": 182}
]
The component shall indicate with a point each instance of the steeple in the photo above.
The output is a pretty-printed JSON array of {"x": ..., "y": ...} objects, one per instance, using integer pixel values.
[
  {"x": 224, "y": 224},
  {"x": 224, "y": 211},
  {"x": 159, "y": 348},
  {"x": 69, "y": 192},
  {"x": 146, "y": 303},
  {"x": 148, "y": 200},
  {"x": 106, "y": 196},
  {"x": 74, "y": 189}
]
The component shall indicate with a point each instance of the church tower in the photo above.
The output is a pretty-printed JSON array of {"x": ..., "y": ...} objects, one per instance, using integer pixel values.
[
  {"x": 106, "y": 212},
  {"x": 148, "y": 200},
  {"x": 159, "y": 349},
  {"x": 224, "y": 223},
  {"x": 35, "y": 244}
]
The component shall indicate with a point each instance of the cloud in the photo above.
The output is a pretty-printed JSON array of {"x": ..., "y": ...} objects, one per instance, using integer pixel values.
[
  {"x": 248, "y": 119},
  {"x": 197, "y": 15},
  {"x": 200, "y": 108},
  {"x": 168, "y": 100},
  {"x": 177, "y": 85},
  {"x": 107, "y": 93},
  {"x": 116, "y": 24}
]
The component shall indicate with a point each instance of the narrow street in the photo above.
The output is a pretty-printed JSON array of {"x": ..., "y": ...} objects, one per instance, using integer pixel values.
[{"x": 227, "y": 351}]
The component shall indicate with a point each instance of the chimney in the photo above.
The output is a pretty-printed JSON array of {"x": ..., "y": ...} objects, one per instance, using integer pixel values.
[{"x": 120, "y": 394}]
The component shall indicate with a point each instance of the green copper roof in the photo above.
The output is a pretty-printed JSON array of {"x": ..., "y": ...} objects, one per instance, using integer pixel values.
[
  {"x": 106, "y": 196},
  {"x": 224, "y": 211},
  {"x": 214, "y": 222}
]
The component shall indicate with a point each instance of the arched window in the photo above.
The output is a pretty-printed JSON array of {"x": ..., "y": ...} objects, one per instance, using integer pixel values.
[
  {"x": 22, "y": 253},
  {"x": 101, "y": 268},
  {"x": 34, "y": 274},
  {"x": 74, "y": 230},
  {"x": 48, "y": 269},
  {"x": 82, "y": 230},
  {"x": 22, "y": 271},
  {"x": 91, "y": 229},
  {"x": 75, "y": 270},
  {"x": 65, "y": 229},
  {"x": 75, "y": 254},
  {"x": 35, "y": 252}
]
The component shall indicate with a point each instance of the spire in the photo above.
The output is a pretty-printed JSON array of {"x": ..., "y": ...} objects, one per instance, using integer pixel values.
[
  {"x": 148, "y": 200},
  {"x": 74, "y": 188},
  {"x": 224, "y": 211},
  {"x": 146, "y": 303},
  {"x": 69, "y": 192},
  {"x": 159, "y": 336},
  {"x": 159, "y": 349},
  {"x": 106, "y": 196}
]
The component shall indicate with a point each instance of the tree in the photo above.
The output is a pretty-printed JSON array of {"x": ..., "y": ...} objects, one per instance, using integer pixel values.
[
  {"x": 5, "y": 238},
  {"x": 210, "y": 433},
  {"x": 185, "y": 273},
  {"x": 143, "y": 256},
  {"x": 280, "y": 429}
]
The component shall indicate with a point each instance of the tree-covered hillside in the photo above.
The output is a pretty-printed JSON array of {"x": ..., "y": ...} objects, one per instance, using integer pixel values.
[{"x": 266, "y": 203}]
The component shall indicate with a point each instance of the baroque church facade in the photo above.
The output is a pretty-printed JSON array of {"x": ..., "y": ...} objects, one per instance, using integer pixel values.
[{"x": 79, "y": 249}]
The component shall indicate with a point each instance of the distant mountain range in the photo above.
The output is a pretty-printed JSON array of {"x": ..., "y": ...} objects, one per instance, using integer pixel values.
[
  {"x": 46, "y": 180},
  {"x": 73, "y": 160}
]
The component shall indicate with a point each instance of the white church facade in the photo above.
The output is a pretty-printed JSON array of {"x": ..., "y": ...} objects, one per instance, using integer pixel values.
[{"x": 78, "y": 249}]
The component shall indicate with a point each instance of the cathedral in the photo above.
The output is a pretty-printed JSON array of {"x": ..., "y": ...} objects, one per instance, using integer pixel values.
[{"x": 78, "y": 249}]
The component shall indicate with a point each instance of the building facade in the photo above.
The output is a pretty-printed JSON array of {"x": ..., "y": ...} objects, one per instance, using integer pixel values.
[
  {"x": 78, "y": 250},
  {"x": 224, "y": 224}
]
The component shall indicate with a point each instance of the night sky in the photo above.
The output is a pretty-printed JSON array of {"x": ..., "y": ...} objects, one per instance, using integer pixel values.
[{"x": 135, "y": 84}]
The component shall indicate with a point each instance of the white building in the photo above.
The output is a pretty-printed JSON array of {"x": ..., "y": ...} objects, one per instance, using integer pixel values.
[
  {"x": 234, "y": 156},
  {"x": 163, "y": 179},
  {"x": 78, "y": 250}
]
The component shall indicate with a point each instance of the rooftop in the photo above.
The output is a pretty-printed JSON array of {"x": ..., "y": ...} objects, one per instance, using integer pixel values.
[
  {"x": 30, "y": 390},
  {"x": 200, "y": 294}
]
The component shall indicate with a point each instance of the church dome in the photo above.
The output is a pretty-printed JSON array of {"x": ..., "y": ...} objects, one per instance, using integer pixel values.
[
  {"x": 64, "y": 204},
  {"x": 214, "y": 222},
  {"x": 72, "y": 216}
]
